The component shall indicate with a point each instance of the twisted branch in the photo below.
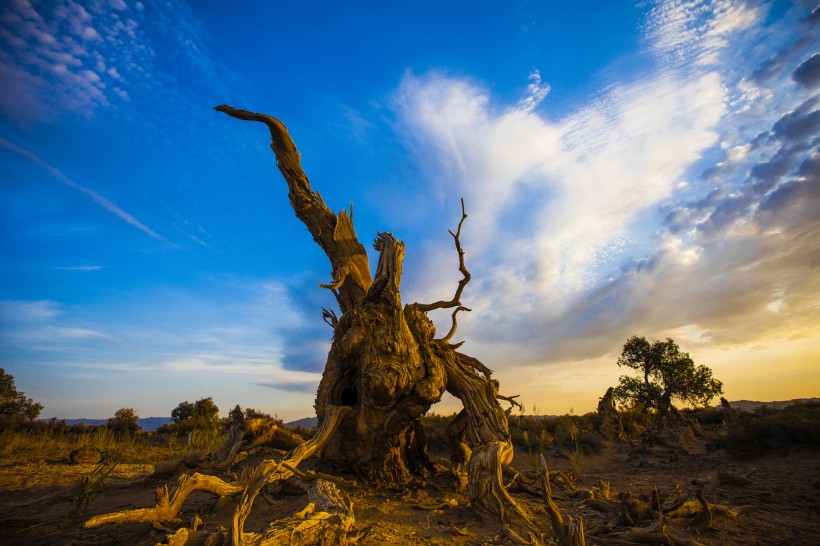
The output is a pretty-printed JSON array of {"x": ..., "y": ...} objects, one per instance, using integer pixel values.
[
  {"x": 456, "y": 301},
  {"x": 512, "y": 400},
  {"x": 168, "y": 505},
  {"x": 330, "y": 318},
  {"x": 453, "y": 328},
  {"x": 333, "y": 233}
]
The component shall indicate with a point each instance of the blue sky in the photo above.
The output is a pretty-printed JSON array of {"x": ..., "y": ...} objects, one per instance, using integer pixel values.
[{"x": 646, "y": 168}]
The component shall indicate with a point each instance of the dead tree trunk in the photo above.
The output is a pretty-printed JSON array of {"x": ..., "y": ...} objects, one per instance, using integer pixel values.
[
  {"x": 386, "y": 363},
  {"x": 611, "y": 426}
]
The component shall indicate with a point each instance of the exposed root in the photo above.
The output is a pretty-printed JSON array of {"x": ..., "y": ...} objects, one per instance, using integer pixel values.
[
  {"x": 486, "y": 438},
  {"x": 706, "y": 513}
]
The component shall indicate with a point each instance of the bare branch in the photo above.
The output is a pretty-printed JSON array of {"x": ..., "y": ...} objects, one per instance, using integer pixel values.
[
  {"x": 311, "y": 475},
  {"x": 453, "y": 328},
  {"x": 511, "y": 400},
  {"x": 333, "y": 233},
  {"x": 168, "y": 505},
  {"x": 329, "y": 316},
  {"x": 270, "y": 470},
  {"x": 456, "y": 301},
  {"x": 339, "y": 277}
]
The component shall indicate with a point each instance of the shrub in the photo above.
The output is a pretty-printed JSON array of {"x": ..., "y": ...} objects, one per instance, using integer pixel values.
[
  {"x": 14, "y": 405},
  {"x": 755, "y": 433},
  {"x": 125, "y": 420},
  {"x": 706, "y": 416}
]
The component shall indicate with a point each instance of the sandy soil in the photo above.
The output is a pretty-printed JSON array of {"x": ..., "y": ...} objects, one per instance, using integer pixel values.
[{"x": 781, "y": 500}]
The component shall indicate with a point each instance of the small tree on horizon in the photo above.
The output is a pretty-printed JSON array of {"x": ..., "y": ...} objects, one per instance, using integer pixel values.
[
  {"x": 666, "y": 374},
  {"x": 203, "y": 413},
  {"x": 14, "y": 403},
  {"x": 124, "y": 420}
]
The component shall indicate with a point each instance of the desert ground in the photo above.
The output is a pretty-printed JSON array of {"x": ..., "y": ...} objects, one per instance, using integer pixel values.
[{"x": 770, "y": 499}]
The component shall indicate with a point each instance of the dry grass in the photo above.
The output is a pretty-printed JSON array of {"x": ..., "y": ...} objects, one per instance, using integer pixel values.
[{"x": 148, "y": 447}]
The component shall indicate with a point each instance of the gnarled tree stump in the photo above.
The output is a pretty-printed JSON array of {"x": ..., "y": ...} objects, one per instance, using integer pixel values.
[{"x": 387, "y": 365}]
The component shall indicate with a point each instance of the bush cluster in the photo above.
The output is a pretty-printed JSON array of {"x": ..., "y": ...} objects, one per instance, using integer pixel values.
[
  {"x": 752, "y": 434},
  {"x": 534, "y": 433}
]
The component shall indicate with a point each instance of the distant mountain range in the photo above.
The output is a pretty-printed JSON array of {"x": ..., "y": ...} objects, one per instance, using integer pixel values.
[
  {"x": 147, "y": 423},
  {"x": 153, "y": 423},
  {"x": 749, "y": 405},
  {"x": 306, "y": 422}
]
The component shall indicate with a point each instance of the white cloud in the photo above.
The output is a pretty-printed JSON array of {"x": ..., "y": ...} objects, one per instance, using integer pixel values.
[
  {"x": 536, "y": 92},
  {"x": 38, "y": 323},
  {"x": 696, "y": 32},
  {"x": 569, "y": 249},
  {"x": 586, "y": 179},
  {"x": 26, "y": 312},
  {"x": 82, "y": 268}
]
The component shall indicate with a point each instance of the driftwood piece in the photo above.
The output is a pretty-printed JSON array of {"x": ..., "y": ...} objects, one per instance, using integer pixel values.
[
  {"x": 326, "y": 520},
  {"x": 169, "y": 505},
  {"x": 664, "y": 512},
  {"x": 270, "y": 471}
]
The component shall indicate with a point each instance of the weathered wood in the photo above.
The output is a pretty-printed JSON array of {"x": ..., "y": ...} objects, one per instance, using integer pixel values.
[
  {"x": 611, "y": 425},
  {"x": 387, "y": 366},
  {"x": 168, "y": 505},
  {"x": 570, "y": 531},
  {"x": 488, "y": 439},
  {"x": 335, "y": 236},
  {"x": 270, "y": 470},
  {"x": 327, "y": 519}
]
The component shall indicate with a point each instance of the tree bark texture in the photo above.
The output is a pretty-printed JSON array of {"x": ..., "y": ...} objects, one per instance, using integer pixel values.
[{"x": 387, "y": 365}]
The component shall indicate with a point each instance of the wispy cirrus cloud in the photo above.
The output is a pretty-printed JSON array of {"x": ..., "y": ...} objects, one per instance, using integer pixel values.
[
  {"x": 82, "y": 268},
  {"x": 695, "y": 34},
  {"x": 103, "y": 202},
  {"x": 39, "y": 323},
  {"x": 24, "y": 312},
  {"x": 599, "y": 225}
]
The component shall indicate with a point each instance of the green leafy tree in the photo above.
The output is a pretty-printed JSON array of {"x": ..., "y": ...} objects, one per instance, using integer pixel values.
[
  {"x": 201, "y": 414},
  {"x": 124, "y": 420},
  {"x": 13, "y": 403},
  {"x": 666, "y": 374},
  {"x": 183, "y": 412}
]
